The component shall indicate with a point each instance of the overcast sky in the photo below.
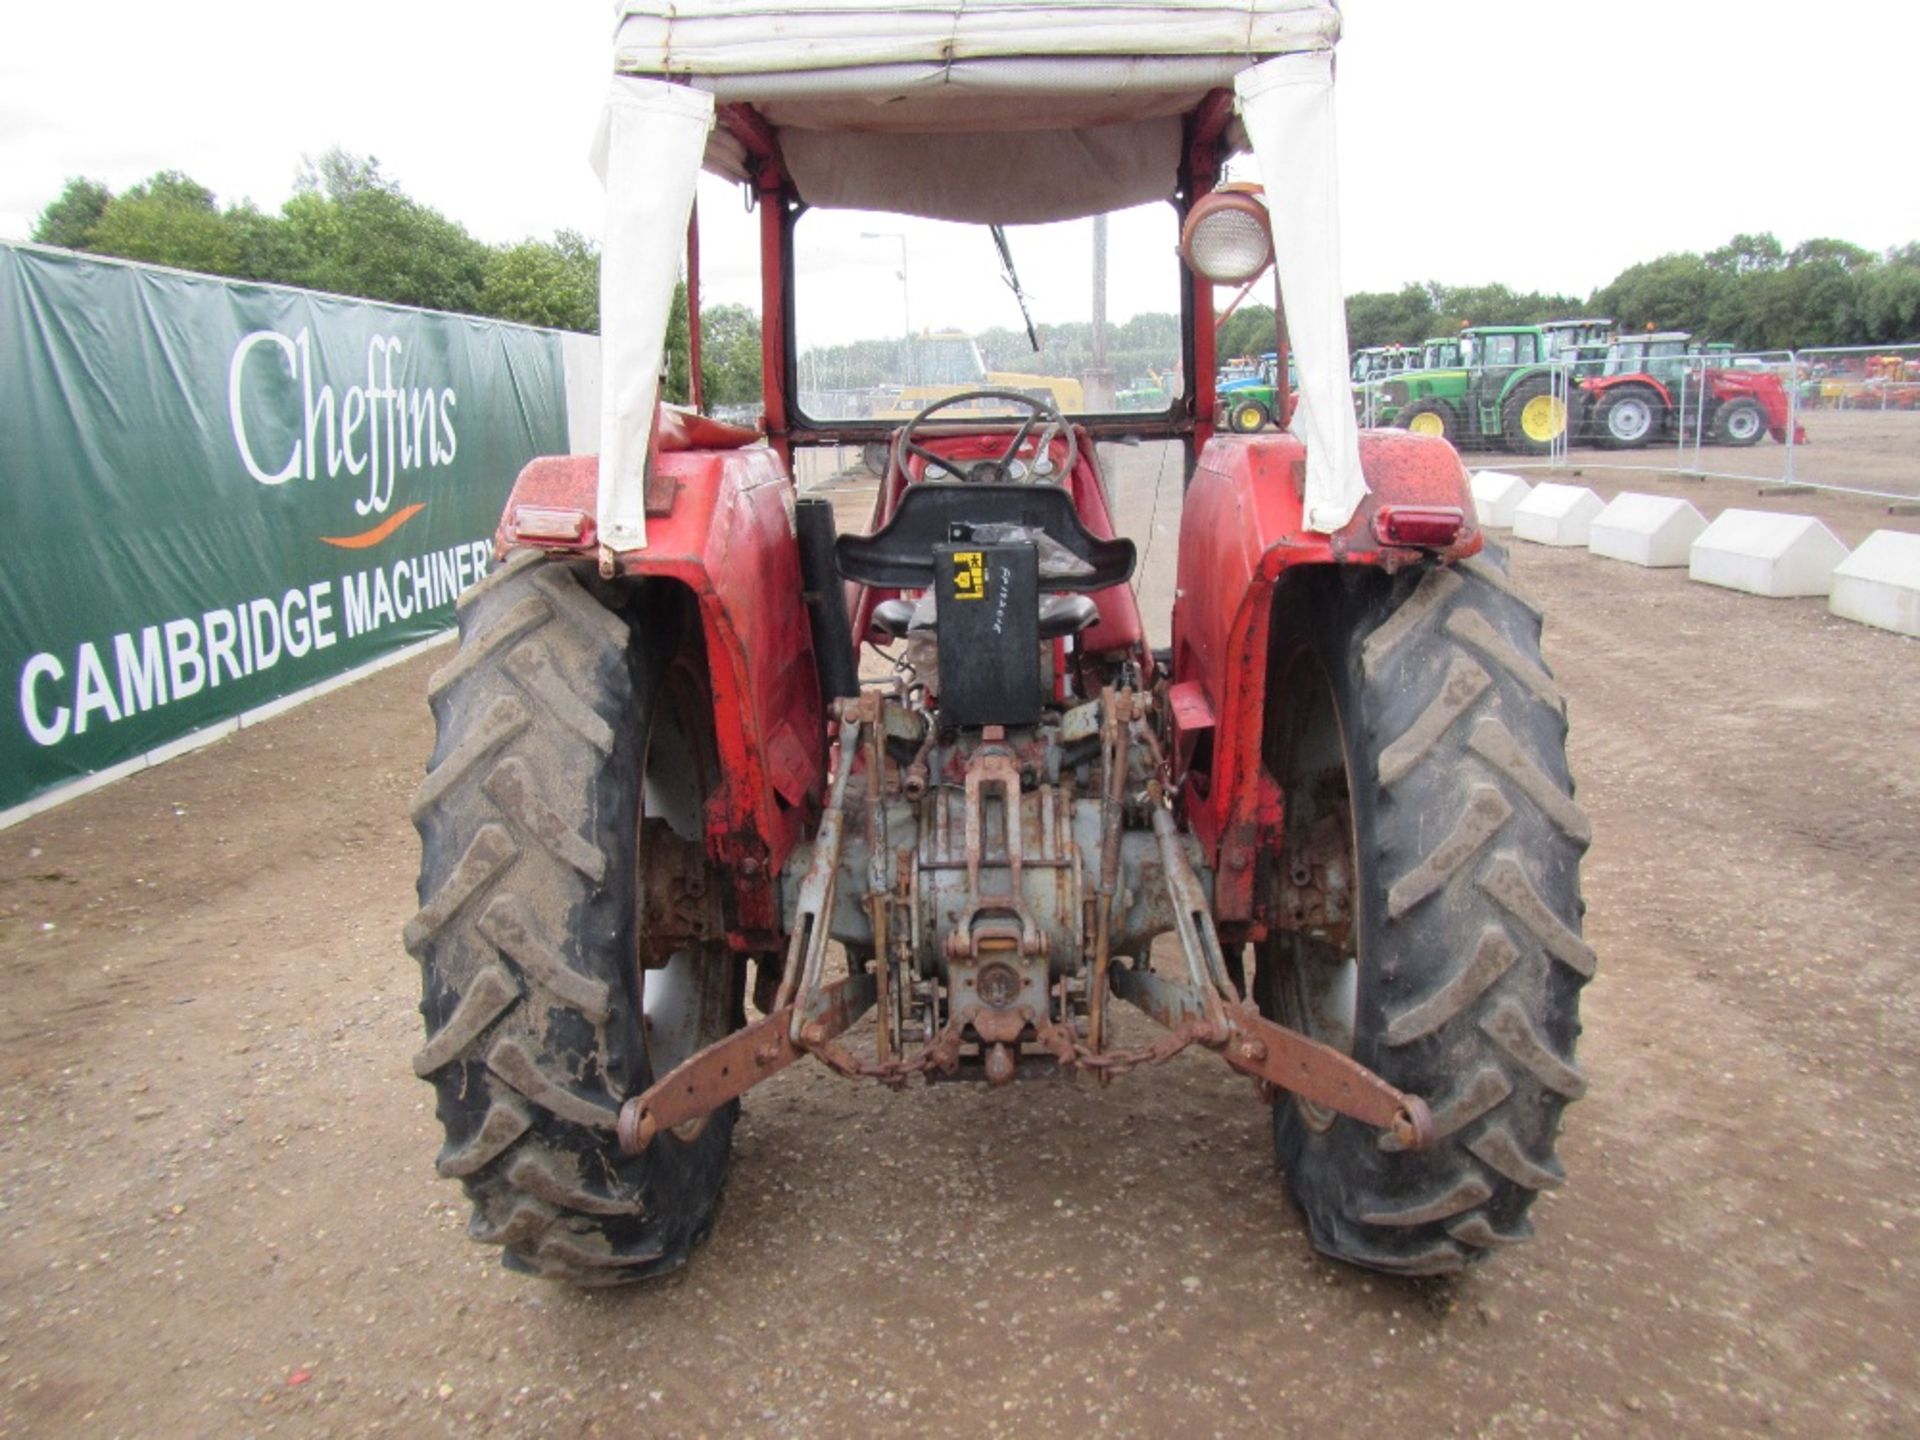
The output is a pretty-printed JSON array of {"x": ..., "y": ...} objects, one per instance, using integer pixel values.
[{"x": 1541, "y": 144}]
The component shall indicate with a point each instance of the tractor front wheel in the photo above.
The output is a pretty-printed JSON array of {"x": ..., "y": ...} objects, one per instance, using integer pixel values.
[
  {"x": 574, "y": 729},
  {"x": 1246, "y": 417},
  {"x": 1532, "y": 418},
  {"x": 1739, "y": 422},
  {"x": 1626, "y": 418},
  {"x": 1429, "y": 417},
  {"x": 1430, "y": 875}
]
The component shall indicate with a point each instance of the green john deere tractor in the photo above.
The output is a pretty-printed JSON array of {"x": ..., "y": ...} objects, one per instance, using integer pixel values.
[
  {"x": 1501, "y": 394},
  {"x": 1251, "y": 402}
]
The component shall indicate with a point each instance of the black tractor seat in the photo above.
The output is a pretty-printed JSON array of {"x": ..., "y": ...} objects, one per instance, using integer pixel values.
[{"x": 900, "y": 556}]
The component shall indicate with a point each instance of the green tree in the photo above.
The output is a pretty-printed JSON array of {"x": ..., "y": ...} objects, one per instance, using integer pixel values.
[
  {"x": 168, "y": 219},
  {"x": 729, "y": 355},
  {"x": 1671, "y": 293},
  {"x": 538, "y": 282},
  {"x": 1890, "y": 299},
  {"x": 1248, "y": 331},
  {"x": 674, "y": 386},
  {"x": 1748, "y": 255},
  {"x": 70, "y": 220},
  {"x": 356, "y": 233},
  {"x": 1401, "y": 317}
]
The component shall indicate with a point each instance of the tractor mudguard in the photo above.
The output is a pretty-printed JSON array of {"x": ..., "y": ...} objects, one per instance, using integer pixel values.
[
  {"x": 721, "y": 523},
  {"x": 1241, "y": 529},
  {"x": 1599, "y": 385}
]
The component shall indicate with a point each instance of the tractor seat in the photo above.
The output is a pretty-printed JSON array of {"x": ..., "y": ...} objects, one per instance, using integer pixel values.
[
  {"x": 932, "y": 513},
  {"x": 1059, "y": 615}
]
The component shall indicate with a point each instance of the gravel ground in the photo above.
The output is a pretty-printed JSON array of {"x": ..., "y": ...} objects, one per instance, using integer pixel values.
[{"x": 220, "y": 1215}]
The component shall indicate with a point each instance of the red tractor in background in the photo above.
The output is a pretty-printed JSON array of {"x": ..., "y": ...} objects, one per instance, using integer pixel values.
[
  {"x": 675, "y": 839},
  {"x": 1637, "y": 397}
]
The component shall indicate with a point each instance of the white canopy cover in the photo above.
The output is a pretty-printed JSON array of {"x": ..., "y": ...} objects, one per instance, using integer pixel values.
[{"x": 926, "y": 107}]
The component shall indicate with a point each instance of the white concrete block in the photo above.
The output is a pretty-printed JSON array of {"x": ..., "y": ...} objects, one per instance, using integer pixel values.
[
  {"x": 1496, "y": 495},
  {"x": 1556, "y": 514},
  {"x": 1652, "y": 530},
  {"x": 1879, "y": 584},
  {"x": 1767, "y": 554}
]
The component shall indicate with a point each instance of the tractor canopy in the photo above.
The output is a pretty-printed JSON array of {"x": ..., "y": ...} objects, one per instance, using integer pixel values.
[{"x": 980, "y": 111}]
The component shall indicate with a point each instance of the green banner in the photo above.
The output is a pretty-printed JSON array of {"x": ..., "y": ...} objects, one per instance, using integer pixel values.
[{"x": 215, "y": 494}]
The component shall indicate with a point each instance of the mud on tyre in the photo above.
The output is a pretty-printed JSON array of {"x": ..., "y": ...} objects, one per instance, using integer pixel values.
[
  {"x": 529, "y": 820},
  {"x": 1434, "y": 747}
]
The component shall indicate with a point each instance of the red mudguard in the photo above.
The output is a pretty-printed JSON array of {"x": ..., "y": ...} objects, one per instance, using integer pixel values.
[
  {"x": 721, "y": 522},
  {"x": 1242, "y": 526}
]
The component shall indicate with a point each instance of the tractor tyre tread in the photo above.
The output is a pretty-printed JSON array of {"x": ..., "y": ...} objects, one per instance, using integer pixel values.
[
  {"x": 1471, "y": 956},
  {"x": 527, "y": 820}
]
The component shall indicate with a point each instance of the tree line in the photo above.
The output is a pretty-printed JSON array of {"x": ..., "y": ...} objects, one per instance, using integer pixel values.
[
  {"x": 1752, "y": 292},
  {"x": 350, "y": 229}
]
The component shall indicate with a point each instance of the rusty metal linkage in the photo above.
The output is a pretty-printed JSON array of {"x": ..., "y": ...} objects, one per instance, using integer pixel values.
[
  {"x": 997, "y": 953},
  {"x": 1282, "y": 1058},
  {"x": 728, "y": 1068}
]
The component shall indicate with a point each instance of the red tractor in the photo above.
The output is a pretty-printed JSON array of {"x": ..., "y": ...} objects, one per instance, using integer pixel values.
[
  {"x": 1636, "y": 398},
  {"x": 674, "y": 839}
]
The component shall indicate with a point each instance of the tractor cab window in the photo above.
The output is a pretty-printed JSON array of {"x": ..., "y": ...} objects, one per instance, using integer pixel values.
[
  {"x": 895, "y": 312},
  {"x": 1666, "y": 361},
  {"x": 1498, "y": 350},
  {"x": 1626, "y": 359}
]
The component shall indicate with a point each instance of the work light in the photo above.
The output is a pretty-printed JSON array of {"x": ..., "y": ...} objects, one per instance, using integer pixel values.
[{"x": 1226, "y": 238}]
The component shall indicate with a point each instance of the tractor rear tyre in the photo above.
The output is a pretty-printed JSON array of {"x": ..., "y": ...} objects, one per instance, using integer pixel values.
[
  {"x": 1429, "y": 417},
  {"x": 1247, "y": 417},
  {"x": 1532, "y": 418},
  {"x": 1626, "y": 418},
  {"x": 564, "y": 722},
  {"x": 1424, "y": 766},
  {"x": 1739, "y": 422}
]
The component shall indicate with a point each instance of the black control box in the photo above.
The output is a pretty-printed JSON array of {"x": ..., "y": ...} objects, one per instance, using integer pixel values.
[{"x": 987, "y": 598}]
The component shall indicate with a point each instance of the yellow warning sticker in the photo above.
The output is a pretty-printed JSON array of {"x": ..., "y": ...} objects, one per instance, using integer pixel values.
[{"x": 969, "y": 575}]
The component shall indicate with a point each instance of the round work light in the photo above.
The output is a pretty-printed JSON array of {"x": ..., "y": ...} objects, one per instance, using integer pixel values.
[{"x": 1227, "y": 238}]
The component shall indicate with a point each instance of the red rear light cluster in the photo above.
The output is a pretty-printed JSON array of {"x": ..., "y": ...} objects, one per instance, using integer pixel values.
[{"x": 1425, "y": 527}]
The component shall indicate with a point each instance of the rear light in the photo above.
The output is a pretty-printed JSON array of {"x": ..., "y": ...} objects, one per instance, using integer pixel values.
[
  {"x": 1429, "y": 527},
  {"x": 537, "y": 522}
]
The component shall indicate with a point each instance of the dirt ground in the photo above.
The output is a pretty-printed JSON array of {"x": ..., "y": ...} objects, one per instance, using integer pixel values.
[
  {"x": 220, "y": 1215},
  {"x": 1866, "y": 450}
]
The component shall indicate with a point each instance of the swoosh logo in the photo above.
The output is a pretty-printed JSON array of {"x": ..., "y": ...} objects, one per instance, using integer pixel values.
[{"x": 367, "y": 539}]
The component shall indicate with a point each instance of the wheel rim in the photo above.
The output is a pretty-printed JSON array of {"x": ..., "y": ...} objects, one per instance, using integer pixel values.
[
  {"x": 688, "y": 1002},
  {"x": 1630, "y": 418},
  {"x": 1248, "y": 418},
  {"x": 1542, "y": 418},
  {"x": 1319, "y": 983},
  {"x": 1427, "y": 422},
  {"x": 1743, "y": 424}
]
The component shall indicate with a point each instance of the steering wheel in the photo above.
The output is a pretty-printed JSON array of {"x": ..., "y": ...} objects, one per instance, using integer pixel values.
[{"x": 1043, "y": 413}]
